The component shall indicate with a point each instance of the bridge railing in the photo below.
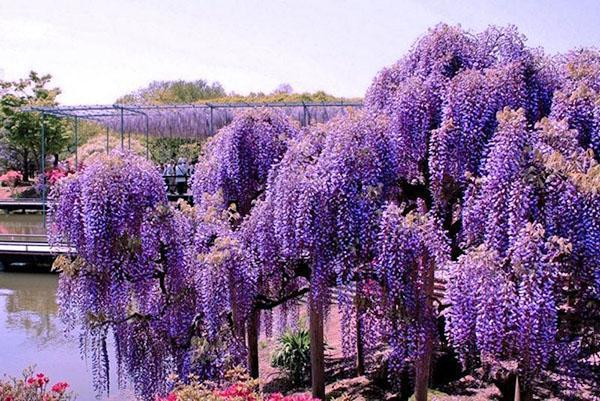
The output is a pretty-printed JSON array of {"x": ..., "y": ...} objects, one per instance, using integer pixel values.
[{"x": 17, "y": 237}]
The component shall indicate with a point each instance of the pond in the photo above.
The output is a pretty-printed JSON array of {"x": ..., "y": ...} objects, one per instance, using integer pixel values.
[
  {"x": 21, "y": 227},
  {"x": 31, "y": 332}
]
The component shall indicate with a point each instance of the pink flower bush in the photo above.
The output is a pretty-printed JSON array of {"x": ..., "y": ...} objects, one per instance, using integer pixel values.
[
  {"x": 241, "y": 391},
  {"x": 11, "y": 179},
  {"x": 281, "y": 397},
  {"x": 60, "y": 387},
  {"x": 55, "y": 174},
  {"x": 34, "y": 388},
  {"x": 240, "y": 388}
]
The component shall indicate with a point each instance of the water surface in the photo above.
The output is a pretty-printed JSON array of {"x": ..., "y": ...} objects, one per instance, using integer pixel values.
[
  {"x": 31, "y": 333},
  {"x": 22, "y": 227}
]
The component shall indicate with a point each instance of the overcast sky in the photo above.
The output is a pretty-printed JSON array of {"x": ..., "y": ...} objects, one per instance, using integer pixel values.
[{"x": 99, "y": 50}]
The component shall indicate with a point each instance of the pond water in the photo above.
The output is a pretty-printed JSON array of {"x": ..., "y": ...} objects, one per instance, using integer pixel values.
[
  {"x": 31, "y": 332},
  {"x": 21, "y": 227}
]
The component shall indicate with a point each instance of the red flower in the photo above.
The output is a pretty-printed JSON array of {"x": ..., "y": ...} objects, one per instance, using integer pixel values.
[
  {"x": 169, "y": 397},
  {"x": 60, "y": 387},
  {"x": 9, "y": 398},
  {"x": 237, "y": 391}
]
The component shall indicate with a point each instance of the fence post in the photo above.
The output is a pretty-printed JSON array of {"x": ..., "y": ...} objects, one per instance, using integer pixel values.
[
  {"x": 211, "y": 128},
  {"x": 122, "y": 131},
  {"x": 76, "y": 141},
  {"x": 43, "y": 167},
  {"x": 305, "y": 116}
]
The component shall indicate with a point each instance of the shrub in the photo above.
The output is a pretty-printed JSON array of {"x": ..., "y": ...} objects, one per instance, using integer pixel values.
[
  {"x": 11, "y": 179},
  {"x": 239, "y": 387},
  {"x": 33, "y": 388},
  {"x": 293, "y": 355}
]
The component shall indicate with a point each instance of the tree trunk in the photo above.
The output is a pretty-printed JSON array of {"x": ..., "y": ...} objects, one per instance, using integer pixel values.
[
  {"x": 252, "y": 335},
  {"x": 317, "y": 356},
  {"x": 26, "y": 166},
  {"x": 360, "y": 348},
  {"x": 55, "y": 164},
  {"x": 422, "y": 371},
  {"x": 423, "y": 363}
]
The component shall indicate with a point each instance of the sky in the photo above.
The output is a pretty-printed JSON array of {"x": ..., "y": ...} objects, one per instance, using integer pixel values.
[{"x": 99, "y": 50}]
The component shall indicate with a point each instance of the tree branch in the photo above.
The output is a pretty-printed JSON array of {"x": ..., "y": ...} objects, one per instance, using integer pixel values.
[{"x": 264, "y": 303}]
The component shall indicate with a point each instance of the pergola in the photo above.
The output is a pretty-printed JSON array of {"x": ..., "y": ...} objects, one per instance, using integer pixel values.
[
  {"x": 175, "y": 120},
  {"x": 182, "y": 120}
]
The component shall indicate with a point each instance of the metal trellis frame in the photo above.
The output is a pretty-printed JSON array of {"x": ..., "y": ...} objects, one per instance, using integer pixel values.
[{"x": 121, "y": 112}]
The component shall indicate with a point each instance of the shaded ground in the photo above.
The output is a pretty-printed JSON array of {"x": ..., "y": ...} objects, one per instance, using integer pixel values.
[
  {"x": 340, "y": 372},
  {"x": 341, "y": 381}
]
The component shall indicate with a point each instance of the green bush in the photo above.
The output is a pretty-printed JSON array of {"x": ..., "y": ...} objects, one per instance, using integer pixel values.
[{"x": 293, "y": 355}]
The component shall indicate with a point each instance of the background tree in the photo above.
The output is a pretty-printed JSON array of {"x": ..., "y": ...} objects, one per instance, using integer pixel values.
[
  {"x": 20, "y": 131},
  {"x": 163, "y": 150},
  {"x": 171, "y": 92}
]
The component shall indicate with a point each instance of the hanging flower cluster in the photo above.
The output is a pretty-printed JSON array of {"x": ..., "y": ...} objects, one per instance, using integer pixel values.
[{"x": 238, "y": 160}]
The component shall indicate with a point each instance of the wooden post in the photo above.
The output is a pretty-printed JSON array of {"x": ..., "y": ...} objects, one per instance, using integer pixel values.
[
  {"x": 317, "y": 356},
  {"x": 252, "y": 337}
]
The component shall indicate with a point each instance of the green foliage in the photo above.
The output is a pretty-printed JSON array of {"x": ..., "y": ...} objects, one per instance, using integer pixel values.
[
  {"x": 276, "y": 97},
  {"x": 293, "y": 355},
  {"x": 199, "y": 91},
  {"x": 20, "y": 131},
  {"x": 163, "y": 150},
  {"x": 172, "y": 92}
]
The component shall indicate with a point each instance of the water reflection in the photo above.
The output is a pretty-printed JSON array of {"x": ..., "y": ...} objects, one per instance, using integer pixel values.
[
  {"x": 22, "y": 224},
  {"x": 31, "y": 333},
  {"x": 31, "y": 309}
]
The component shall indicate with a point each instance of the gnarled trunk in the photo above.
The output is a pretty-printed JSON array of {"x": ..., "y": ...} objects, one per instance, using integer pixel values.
[
  {"x": 360, "y": 346},
  {"x": 252, "y": 337},
  {"x": 317, "y": 355}
]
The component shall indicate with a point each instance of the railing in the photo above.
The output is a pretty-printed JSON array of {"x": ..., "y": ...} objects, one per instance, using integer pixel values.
[
  {"x": 30, "y": 244},
  {"x": 17, "y": 237}
]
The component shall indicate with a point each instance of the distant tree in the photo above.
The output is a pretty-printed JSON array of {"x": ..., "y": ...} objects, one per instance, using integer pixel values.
[
  {"x": 200, "y": 91},
  {"x": 282, "y": 95},
  {"x": 284, "y": 88},
  {"x": 20, "y": 131},
  {"x": 168, "y": 92},
  {"x": 164, "y": 149}
]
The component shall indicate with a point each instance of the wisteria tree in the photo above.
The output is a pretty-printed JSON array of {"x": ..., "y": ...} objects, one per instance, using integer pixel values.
[
  {"x": 474, "y": 163},
  {"x": 170, "y": 283}
]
